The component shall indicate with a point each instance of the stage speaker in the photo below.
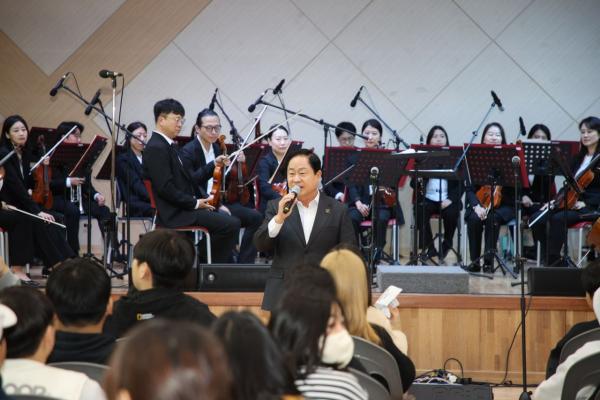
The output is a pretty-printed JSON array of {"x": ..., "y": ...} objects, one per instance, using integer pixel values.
[
  {"x": 555, "y": 281},
  {"x": 233, "y": 277},
  {"x": 433, "y": 391}
]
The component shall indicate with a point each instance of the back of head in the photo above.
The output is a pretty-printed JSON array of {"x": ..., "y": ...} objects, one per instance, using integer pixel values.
[
  {"x": 258, "y": 366},
  {"x": 590, "y": 278},
  {"x": 168, "y": 106},
  {"x": 34, "y": 314},
  {"x": 169, "y": 254},
  {"x": 169, "y": 360},
  {"x": 349, "y": 273},
  {"x": 79, "y": 289}
]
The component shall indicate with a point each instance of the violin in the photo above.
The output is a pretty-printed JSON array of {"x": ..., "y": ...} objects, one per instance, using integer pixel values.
[
  {"x": 280, "y": 187},
  {"x": 217, "y": 191},
  {"x": 237, "y": 189},
  {"x": 484, "y": 195},
  {"x": 42, "y": 194},
  {"x": 388, "y": 196}
]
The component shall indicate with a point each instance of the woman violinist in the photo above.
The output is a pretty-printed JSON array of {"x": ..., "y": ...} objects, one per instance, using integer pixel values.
[
  {"x": 271, "y": 176},
  {"x": 477, "y": 214},
  {"x": 359, "y": 196},
  {"x": 49, "y": 240},
  {"x": 586, "y": 203},
  {"x": 436, "y": 195}
]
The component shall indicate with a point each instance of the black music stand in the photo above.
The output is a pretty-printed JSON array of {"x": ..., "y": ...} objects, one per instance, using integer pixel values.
[
  {"x": 492, "y": 165},
  {"x": 83, "y": 169},
  {"x": 440, "y": 167}
]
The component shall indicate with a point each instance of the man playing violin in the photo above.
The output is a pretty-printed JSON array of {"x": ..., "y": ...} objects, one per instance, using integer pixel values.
[
  {"x": 200, "y": 156},
  {"x": 180, "y": 201}
]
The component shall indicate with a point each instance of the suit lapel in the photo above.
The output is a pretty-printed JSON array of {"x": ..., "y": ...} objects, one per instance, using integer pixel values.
[
  {"x": 297, "y": 225},
  {"x": 321, "y": 219}
]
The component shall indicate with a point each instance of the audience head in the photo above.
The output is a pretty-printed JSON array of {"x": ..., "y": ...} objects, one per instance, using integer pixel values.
[
  {"x": 373, "y": 130},
  {"x": 162, "y": 258},
  {"x": 349, "y": 272},
  {"x": 344, "y": 138},
  {"x": 79, "y": 290},
  {"x": 7, "y": 319},
  {"x": 257, "y": 364},
  {"x": 493, "y": 133},
  {"x": 540, "y": 132},
  {"x": 14, "y": 131},
  {"x": 169, "y": 116},
  {"x": 64, "y": 128},
  {"x": 438, "y": 136},
  {"x": 590, "y": 279},
  {"x": 139, "y": 130},
  {"x": 164, "y": 360},
  {"x": 33, "y": 334},
  {"x": 308, "y": 322}
]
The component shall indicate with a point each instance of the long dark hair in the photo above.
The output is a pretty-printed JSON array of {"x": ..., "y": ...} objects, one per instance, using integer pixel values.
[
  {"x": 432, "y": 131},
  {"x": 539, "y": 127},
  {"x": 8, "y": 123},
  {"x": 497, "y": 125},
  {"x": 592, "y": 123}
]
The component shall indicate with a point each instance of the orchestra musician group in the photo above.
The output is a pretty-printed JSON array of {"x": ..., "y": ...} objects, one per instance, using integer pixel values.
[{"x": 186, "y": 184}]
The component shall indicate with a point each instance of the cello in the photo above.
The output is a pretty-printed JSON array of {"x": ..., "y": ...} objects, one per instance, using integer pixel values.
[{"x": 42, "y": 194}]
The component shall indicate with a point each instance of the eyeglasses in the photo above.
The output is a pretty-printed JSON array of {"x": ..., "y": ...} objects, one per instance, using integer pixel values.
[
  {"x": 178, "y": 120},
  {"x": 215, "y": 129}
]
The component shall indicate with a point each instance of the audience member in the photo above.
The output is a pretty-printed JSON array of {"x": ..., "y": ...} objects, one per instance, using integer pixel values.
[
  {"x": 350, "y": 276},
  {"x": 257, "y": 364},
  {"x": 590, "y": 278},
  {"x": 161, "y": 261},
  {"x": 552, "y": 387},
  {"x": 7, "y": 278},
  {"x": 79, "y": 289},
  {"x": 7, "y": 319},
  {"x": 166, "y": 360},
  {"x": 29, "y": 343},
  {"x": 309, "y": 326}
]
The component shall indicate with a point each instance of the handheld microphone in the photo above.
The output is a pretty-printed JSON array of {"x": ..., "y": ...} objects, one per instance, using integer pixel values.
[
  {"x": 522, "y": 127},
  {"x": 374, "y": 175},
  {"x": 355, "y": 99},
  {"x": 93, "y": 102},
  {"x": 257, "y": 102},
  {"x": 497, "y": 101},
  {"x": 58, "y": 85},
  {"x": 277, "y": 89},
  {"x": 213, "y": 100},
  {"x": 105, "y": 73},
  {"x": 288, "y": 206}
]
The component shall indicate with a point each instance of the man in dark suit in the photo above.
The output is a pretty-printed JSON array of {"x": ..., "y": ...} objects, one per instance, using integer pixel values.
[
  {"x": 179, "y": 200},
  {"x": 307, "y": 232},
  {"x": 199, "y": 156}
]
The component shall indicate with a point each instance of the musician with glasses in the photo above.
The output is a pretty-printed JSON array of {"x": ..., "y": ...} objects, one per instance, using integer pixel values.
[{"x": 345, "y": 139}]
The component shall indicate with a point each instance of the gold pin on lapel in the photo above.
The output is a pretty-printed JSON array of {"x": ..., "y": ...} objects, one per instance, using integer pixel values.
[{"x": 327, "y": 210}]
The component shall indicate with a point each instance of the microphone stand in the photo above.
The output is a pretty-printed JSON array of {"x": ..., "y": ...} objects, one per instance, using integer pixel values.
[
  {"x": 374, "y": 217},
  {"x": 397, "y": 138}
]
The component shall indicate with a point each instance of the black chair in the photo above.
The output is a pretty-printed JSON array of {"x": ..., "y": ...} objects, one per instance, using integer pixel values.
[
  {"x": 576, "y": 342},
  {"x": 379, "y": 363},
  {"x": 93, "y": 371},
  {"x": 584, "y": 374},
  {"x": 374, "y": 388}
]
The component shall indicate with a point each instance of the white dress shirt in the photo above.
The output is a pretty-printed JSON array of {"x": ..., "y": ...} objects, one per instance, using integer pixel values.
[
  {"x": 307, "y": 217},
  {"x": 434, "y": 187}
]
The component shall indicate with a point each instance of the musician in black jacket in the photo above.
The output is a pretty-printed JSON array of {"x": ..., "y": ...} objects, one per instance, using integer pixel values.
[
  {"x": 49, "y": 240},
  {"x": 130, "y": 173},
  {"x": 588, "y": 201},
  {"x": 337, "y": 190},
  {"x": 479, "y": 217},
  {"x": 180, "y": 201},
  {"x": 199, "y": 156},
  {"x": 268, "y": 170},
  {"x": 437, "y": 196}
]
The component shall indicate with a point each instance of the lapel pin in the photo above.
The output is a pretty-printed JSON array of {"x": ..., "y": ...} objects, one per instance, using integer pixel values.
[{"x": 327, "y": 210}]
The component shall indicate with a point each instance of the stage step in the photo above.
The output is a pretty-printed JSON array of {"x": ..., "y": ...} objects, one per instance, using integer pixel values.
[{"x": 424, "y": 278}]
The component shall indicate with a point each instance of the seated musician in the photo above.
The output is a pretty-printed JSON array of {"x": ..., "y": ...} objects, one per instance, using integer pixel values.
[
  {"x": 268, "y": 168},
  {"x": 200, "y": 156},
  {"x": 479, "y": 217},
  {"x": 130, "y": 173},
  {"x": 49, "y": 241},
  {"x": 64, "y": 190},
  {"x": 438, "y": 196},
  {"x": 360, "y": 196},
  {"x": 541, "y": 188},
  {"x": 345, "y": 139},
  {"x": 587, "y": 202},
  {"x": 180, "y": 201}
]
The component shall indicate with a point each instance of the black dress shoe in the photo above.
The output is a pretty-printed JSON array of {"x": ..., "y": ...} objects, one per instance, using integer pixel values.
[
  {"x": 475, "y": 267},
  {"x": 431, "y": 252}
]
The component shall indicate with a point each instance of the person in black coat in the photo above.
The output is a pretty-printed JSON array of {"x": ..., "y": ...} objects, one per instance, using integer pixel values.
[
  {"x": 161, "y": 261},
  {"x": 49, "y": 241},
  {"x": 314, "y": 225},
  {"x": 478, "y": 218},
  {"x": 180, "y": 201},
  {"x": 337, "y": 190},
  {"x": 130, "y": 173},
  {"x": 587, "y": 203},
  {"x": 437, "y": 196},
  {"x": 199, "y": 156},
  {"x": 267, "y": 168}
]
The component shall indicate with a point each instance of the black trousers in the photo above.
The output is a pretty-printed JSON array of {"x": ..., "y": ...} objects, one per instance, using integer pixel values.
[
  {"x": 224, "y": 231},
  {"x": 250, "y": 219},
  {"x": 383, "y": 216},
  {"x": 72, "y": 215},
  {"x": 20, "y": 236},
  {"x": 476, "y": 226},
  {"x": 449, "y": 215}
]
